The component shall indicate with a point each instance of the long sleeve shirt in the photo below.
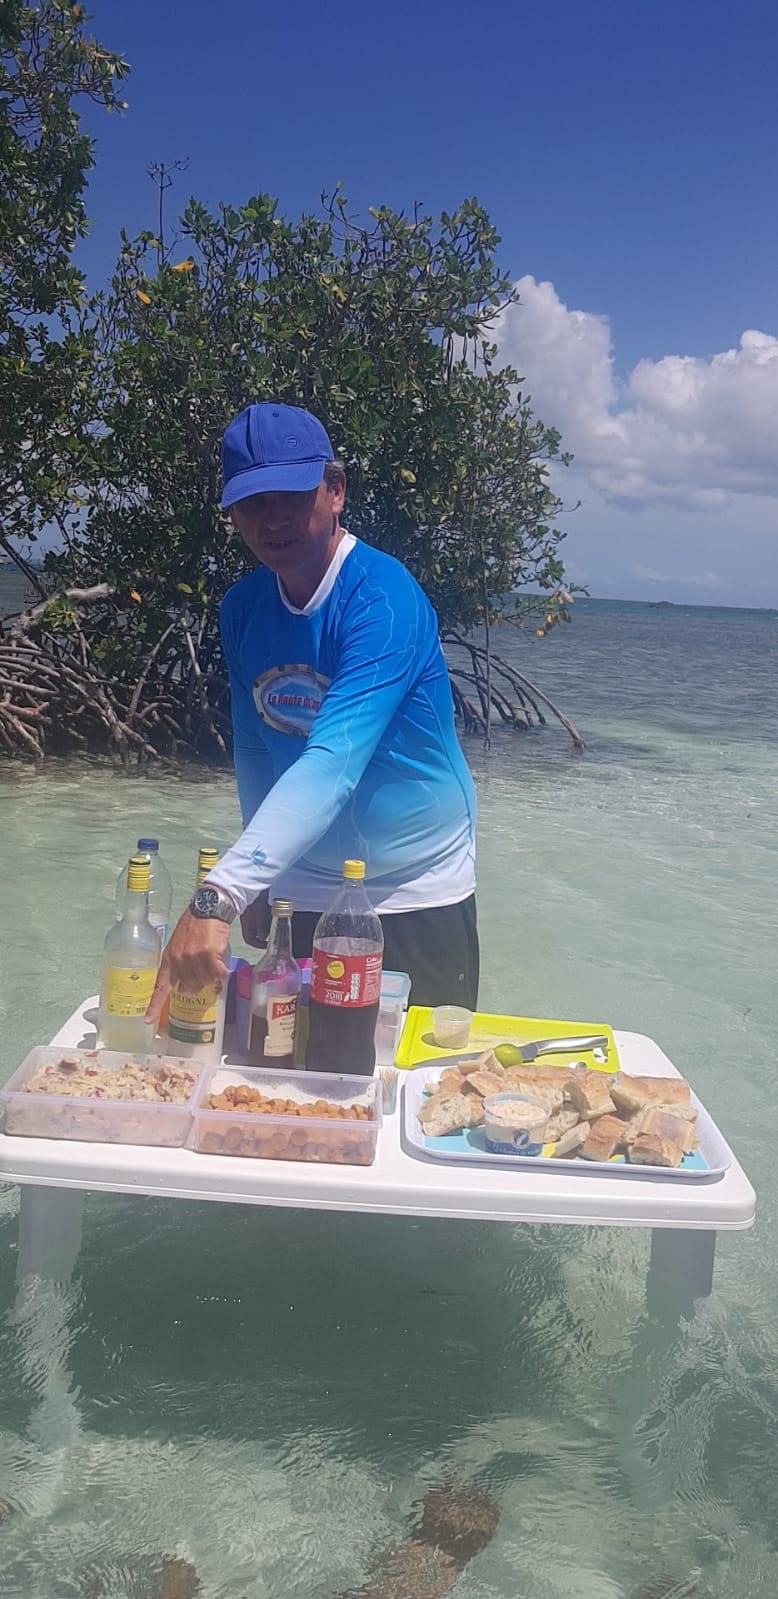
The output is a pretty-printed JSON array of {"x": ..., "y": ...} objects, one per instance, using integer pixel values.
[{"x": 345, "y": 744}]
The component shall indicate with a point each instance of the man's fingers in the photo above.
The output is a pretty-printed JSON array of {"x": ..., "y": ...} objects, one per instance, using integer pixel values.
[
  {"x": 160, "y": 994},
  {"x": 193, "y": 960},
  {"x": 203, "y": 972}
]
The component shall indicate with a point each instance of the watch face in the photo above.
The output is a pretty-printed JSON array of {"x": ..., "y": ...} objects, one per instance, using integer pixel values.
[{"x": 206, "y": 901}]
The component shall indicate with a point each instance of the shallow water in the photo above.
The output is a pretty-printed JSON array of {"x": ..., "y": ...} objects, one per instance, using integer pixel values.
[{"x": 268, "y": 1394}]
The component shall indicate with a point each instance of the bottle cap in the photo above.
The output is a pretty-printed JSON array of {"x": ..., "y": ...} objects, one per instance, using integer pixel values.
[
  {"x": 138, "y": 872},
  {"x": 206, "y": 860},
  {"x": 148, "y": 845},
  {"x": 281, "y": 907},
  {"x": 354, "y": 871}
]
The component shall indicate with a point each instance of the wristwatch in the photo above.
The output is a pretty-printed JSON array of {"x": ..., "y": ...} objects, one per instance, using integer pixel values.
[{"x": 211, "y": 903}]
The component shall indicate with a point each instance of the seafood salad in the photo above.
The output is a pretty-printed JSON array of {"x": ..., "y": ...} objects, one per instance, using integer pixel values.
[
  {"x": 101, "y": 1097},
  {"x": 74, "y": 1078},
  {"x": 600, "y": 1116}
]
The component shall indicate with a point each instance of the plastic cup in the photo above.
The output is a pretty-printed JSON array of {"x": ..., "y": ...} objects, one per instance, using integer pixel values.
[
  {"x": 451, "y": 1026},
  {"x": 389, "y": 1076}
]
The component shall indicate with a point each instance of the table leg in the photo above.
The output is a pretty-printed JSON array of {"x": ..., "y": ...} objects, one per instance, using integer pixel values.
[
  {"x": 681, "y": 1267},
  {"x": 49, "y": 1231}
]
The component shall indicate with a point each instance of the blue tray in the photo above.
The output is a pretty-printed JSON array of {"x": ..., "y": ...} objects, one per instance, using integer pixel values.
[{"x": 711, "y": 1160}]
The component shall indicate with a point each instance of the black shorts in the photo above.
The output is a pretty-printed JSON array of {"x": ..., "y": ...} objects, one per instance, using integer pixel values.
[{"x": 437, "y": 947}]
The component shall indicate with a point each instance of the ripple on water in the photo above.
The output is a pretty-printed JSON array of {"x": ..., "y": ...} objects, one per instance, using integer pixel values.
[{"x": 268, "y": 1397}]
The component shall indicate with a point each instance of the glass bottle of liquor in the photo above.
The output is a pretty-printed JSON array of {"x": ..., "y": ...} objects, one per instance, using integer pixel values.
[
  {"x": 275, "y": 995},
  {"x": 195, "y": 1025},
  {"x": 131, "y": 959}
]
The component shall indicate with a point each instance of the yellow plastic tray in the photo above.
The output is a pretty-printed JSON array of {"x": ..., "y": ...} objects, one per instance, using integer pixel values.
[{"x": 416, "y": 1043}]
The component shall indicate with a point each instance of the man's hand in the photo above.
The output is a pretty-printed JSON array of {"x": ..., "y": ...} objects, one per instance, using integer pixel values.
[
  {"x": 255, "y": 922},
  {"x": 193, "y": 958}
]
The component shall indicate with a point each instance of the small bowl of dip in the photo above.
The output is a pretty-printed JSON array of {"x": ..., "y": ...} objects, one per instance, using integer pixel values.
[
  {"x": 514, "y": 1124},
  {"x": 451, "y": 1026}
]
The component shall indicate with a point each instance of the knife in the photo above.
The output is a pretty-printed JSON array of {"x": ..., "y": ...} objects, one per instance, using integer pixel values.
[{"x": 560, "y": 1046}]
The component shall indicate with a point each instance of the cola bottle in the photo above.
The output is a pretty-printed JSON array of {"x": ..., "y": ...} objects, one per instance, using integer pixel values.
[{"x": 348, "y": 947}]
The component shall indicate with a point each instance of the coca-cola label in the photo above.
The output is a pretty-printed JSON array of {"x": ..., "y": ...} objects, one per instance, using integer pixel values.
[{"x": 349, "y": 981}]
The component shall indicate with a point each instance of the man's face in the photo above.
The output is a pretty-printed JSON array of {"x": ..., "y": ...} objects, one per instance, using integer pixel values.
[{"x": 284, "y": 531}]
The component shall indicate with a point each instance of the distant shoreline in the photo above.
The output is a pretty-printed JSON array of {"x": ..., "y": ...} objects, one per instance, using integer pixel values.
[
  {"x": 662, "y": 605},
  {"x": 14, "y": 587}
]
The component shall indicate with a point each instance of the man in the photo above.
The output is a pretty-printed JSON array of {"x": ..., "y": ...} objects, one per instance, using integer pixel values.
[{"x": 345, "y": 742}]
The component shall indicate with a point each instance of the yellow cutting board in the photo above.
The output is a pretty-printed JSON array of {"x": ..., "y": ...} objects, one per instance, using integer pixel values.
[{"x": 416, "y": 1043}]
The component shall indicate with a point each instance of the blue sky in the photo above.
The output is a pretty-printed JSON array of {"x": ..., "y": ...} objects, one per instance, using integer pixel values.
[{"x": 628, "y": 154}]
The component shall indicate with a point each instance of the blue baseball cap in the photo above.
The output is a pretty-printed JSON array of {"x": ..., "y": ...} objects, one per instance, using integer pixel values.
[{"x": 273, "y": 449}]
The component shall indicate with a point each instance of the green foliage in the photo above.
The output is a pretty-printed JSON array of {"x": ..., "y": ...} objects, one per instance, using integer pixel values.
[
  {"x": 47, "y": 65},
  {"x": 383, "y": 331},
  {"x": 112, "y": 408}
]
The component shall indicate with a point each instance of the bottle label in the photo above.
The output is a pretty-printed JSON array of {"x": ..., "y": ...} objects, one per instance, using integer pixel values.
[
  {"x": 349, "y": 981},
  {"x": 281, "y": 1020},
  {"x": 161, "y": 928},
  {"x": 193, "y": 1017},
  {"x": 129, "y": 990}
]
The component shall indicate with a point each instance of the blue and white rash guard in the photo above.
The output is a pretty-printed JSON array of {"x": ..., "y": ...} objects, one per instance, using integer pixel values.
[{"x": 345, "y": 744}]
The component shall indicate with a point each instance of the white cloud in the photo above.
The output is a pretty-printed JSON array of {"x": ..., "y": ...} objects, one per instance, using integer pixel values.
[
  {"x": 700, "y": 580},
  {"x": 684, "y": 431}
]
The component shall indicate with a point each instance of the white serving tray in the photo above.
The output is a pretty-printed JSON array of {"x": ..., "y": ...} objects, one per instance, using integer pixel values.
[{"x": 713, "y": 1158}]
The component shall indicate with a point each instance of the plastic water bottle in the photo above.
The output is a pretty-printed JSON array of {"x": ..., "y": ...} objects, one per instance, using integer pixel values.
[
  {"x": 160, "y": 888},
  {"x": 348, "y": 950}
]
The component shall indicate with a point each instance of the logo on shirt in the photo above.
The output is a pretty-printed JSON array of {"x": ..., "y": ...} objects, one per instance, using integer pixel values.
[{"x": 289, "y": 697}]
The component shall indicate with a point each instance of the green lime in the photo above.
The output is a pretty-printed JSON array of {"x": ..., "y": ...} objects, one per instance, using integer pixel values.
[{"x": 508, "y": 1055}]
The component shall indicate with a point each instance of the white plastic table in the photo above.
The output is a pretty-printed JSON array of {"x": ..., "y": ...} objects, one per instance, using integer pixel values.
[{"x": 684, "y": 1217}]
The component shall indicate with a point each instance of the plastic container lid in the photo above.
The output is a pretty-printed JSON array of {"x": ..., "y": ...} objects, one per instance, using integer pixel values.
[
  {"x": 150, "y": 845},
  {"x": 395, "y": 985}
]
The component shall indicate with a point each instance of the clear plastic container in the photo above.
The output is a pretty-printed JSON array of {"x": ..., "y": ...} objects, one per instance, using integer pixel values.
[
  {"x": 281, "y": 1136},
  {"x": 451, "y": 1026},
  {"x": 101, "y": 1121},
  {"x": 395, "y": 989},
  {"x": 397, "y": 986}
]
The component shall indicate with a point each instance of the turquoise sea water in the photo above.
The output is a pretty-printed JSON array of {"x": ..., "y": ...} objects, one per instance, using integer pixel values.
[{"x": 266, "y": 1394}]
